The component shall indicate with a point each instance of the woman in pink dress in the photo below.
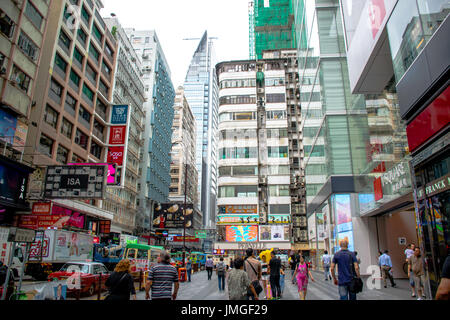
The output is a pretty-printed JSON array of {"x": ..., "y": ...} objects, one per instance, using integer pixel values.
[{"x": 302, "y": 272}]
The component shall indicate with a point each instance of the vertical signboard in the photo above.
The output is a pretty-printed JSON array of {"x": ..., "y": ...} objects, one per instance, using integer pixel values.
[{"x": 118, "y": 139}]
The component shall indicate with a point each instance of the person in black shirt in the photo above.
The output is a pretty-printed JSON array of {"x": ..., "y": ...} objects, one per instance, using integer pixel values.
[
  {"x": 443, "y": 291},
  {"x": 121, "y": 283},
  {"x": 274, "y": 270}
]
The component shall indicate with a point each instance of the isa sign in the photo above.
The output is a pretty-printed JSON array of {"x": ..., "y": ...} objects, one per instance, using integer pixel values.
[{"x": 119, "y": 114}]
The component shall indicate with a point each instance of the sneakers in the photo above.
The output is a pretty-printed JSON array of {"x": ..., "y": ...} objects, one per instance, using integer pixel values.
[
  {"x": 413, "y": 295},
  {"x": 420, "y": 298}
]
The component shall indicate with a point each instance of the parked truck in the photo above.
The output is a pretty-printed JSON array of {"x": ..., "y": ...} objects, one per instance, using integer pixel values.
[
  {"x": 5, "y": 252},
  {"x": 53, "y": 248}
]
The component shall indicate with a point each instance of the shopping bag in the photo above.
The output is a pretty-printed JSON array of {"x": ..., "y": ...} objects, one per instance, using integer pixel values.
[{"x": 269, "y": 292}]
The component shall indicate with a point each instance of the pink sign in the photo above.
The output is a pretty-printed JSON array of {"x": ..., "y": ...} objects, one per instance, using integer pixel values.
[
  {"x": 377, "y": 12},
  {"x": 111, "y": 170},
  {"x": 115, "y": 155}
]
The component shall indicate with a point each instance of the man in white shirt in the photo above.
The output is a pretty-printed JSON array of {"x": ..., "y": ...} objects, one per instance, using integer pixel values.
[
  {"x": 408, "y": 253},
  {"x": 326, "y": 261}
]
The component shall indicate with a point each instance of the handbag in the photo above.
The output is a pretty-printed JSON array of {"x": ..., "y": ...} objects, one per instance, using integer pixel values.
[
  {"x": 108, "y": 297},
  {"x": 256, "y": 285},
  {"x": 356, "y": 285}
]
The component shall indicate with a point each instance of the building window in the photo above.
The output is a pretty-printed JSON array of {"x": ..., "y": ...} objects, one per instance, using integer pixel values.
[
  {"x": 28, "y": 46},
  {"x": 91, "y": 74},
  {"x": 55, "y": 89},
  {"x": 103, "y": 88},
  {"x": 82, "y": 36},
  {"x": 275, "y": 97},
  {"x": 67, "y": 128},
  {"x": 62, "y": 154},
  {"x": 81, "y": 139},
  {"x": 46, "y": 145},
  {"x": 64, "y": 40},
  {"x": 106, "y": 69},
  {"x": 278, "y": 152},
  {"x": 96, "y": 150},
  {"x": 71, "y": 102},
  {"x": 94, "y": 52},
  {"x": 77, "y": 159},
  {"x": 237, "y": 191},
  {"x": 75, "y": 78},
  {"x": 97, "y": 33},
  {"x": 59, "y": 61},
  {"x": 33, "y": 14},
  {"x": 279, "y": 190},
  {"x": 88, "y": 92},
  {"x": 85, "y": 16},
  {"x": 20, "y": 78},
  {"x": 78, "y": 55},
  {"x": 101, "y": 109},
  {"x": 108, "y": 50},
  {"x": 83, "y": 114},
  {"x": 276, "y": 115},
  {"x": 6, "y": 24},
  {"x": 51, "y": 116}
]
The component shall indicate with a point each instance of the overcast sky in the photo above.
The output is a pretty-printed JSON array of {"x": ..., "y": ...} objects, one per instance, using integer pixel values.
[{"x": 175, "y": 20}]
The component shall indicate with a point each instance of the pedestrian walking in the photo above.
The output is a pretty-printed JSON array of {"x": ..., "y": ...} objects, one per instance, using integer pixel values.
[
  {"x": 231, "y": 264},
  {"x": 189, "y": 269},
  {"x": 239, "y": 282},
  {"x": 220, "y": 271},
  {"x": 282, "y": 278},
  {"x": 120, "y": 283},
  {"x": 443, "y": 291},
  {"x": 416, "y": 268},
  {"x": 326, "y": 262},
  {"x": 161, "y": 278},
  {"x": 385, "y": 264},
  {"x": 254, "y": 272},
  {"x": 265, "y": 271},
  {"x": 408, "y": 253},
  {"x": 274, "y": 279},
  {"x": 357, "y": 258},
  {"x": 348, "y": 268},
  {"x": 302, "y": 273},
  {"x": 209, "y": 267},
  {"x": 293, "y": 266}
]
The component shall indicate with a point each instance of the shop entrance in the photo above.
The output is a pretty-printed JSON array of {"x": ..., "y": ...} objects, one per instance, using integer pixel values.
[{"x": 395, "y": 231}]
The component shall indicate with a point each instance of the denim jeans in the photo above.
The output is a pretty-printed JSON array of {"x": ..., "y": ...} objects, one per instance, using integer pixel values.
[
  {"x": 189, "y": 271},
  {"x": 327, "y": 272},
  {"x": 221, "y": 282},
  {"x": 345, "y": 294}
]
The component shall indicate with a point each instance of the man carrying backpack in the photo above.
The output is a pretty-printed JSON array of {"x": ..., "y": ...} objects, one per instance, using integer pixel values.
[{"x": 220, "y": 270}]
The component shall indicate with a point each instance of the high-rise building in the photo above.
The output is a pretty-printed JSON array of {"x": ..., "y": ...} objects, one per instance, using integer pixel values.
[
  {"x": 183, "y": 169},
  {"x": 128, "y": 90},
  {"x": 201, "y": 92},
  {"x": 272, "y": 27},
  {"x": 22, "y": 29},
  {"x": 72, "y": 100},
  {"x": 358, "y": 182},
  {"x": 160, "y": 94},
  {"x": 259, "y": 153},
  {"x": 402, "y": 45}
]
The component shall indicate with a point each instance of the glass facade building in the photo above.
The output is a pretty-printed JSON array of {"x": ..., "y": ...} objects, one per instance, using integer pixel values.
[{"x": 201, "y": 92}]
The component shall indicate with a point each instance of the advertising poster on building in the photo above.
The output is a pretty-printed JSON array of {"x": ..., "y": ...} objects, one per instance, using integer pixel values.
[
  {"x": 237, "y": 218},
  {"x": 20, "y": 136},
  {"x": 241, "y": 233},
  {"x": 118, "y": 134},
  {"x": 111, "y": 177},
  {"x": 172, "y": 216},
  {"x": 279, "y": 218},
  {"x": 343, "y": 210},
  {"x": 274, "y": 233},
  {"x": 7, "y": 126},
  {"x": 73, "y": 246}
]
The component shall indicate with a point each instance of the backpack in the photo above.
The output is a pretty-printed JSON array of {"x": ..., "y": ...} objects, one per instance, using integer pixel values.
[{"x": 221, "y": 269}]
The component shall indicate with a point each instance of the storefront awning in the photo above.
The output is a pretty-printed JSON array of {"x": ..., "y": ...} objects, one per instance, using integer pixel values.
[{"x": 85, "y": 208}]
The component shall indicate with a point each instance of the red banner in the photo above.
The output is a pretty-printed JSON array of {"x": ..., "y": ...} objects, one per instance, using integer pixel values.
[
  {"x": 117, "y": 135},
  {"x": 115, "y": 155},
  {"x": 188, "y": 239},
  {"x": 41, "y": 208}
]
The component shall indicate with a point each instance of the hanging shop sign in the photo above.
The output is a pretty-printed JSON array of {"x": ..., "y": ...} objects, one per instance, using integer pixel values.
[
  {"x": 41, "y": 208},
  {"x": 434, "y": 187},
  {"x": 237, "y": 219},
  {"x": 112, "y": 171},
  {"x": 172, "y": 216},
  {"x": 238, "y": 209},
  {"x": 118, "y": 134},
  {"x": 75, "y": 182},
  {"x": 13, "y": 184},
  {"x": 188, "y": 239}
]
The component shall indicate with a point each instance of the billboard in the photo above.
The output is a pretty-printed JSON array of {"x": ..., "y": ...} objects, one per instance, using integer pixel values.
[
  {"x": 279, "y": 218},
  {"x": 238, "y": 209},
  {"x": 57, "y": 217},
  {"x": 8, "y": 124},
  {"x": 237, "y": 219},
  {"x": 20, "y": 136},
  {"x": 73, "y": 246},
  {"x": 170, "y": 216},
  {"x": 67, "y": 182},
  {"x": 118, "y": 134},
  {"x": 241, "y": 233},
  {"x": 274, "y": 233},
  {"x": 13, "y": 184},
  {"x": 111, "y": 176}
]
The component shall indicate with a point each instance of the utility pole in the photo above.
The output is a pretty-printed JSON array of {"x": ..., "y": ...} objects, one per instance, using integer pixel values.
[{"x": 184, "y": 213}]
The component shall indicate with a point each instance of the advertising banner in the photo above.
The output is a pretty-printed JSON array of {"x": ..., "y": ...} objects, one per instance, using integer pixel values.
[
  {"x": 188, "y": 239},
  {"x": 116, "y": 155},
  {"x": 237, "y": 219},
  {"x": 119, "y": 114},
  {"x": 20, "y": 136},
  {"x": 41, "y": 208},
  {"x": 279, "y": 218},
  {"x": 72, "y": 182},
  {"x": 274, "y": 233},
  {"x": 118, "y": 135},
  {"x": 13, "y": 184},
  {"x": 111, "y": 177},
  {"x": 60, "y": 217},
  {"x": 73, "y": 246},
  {"x": 241, "y": 233},
  {"x": 170, "y": 216},
  {"x": 238, "y": 209},
  {"x": 8, "y": 124}
]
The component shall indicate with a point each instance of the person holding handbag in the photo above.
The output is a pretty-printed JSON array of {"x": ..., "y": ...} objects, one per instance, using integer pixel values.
[
  {"x": 254, "y": 272},
  {"x": 121, "y": 283},
  {"x": 347, "y": 269}
]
